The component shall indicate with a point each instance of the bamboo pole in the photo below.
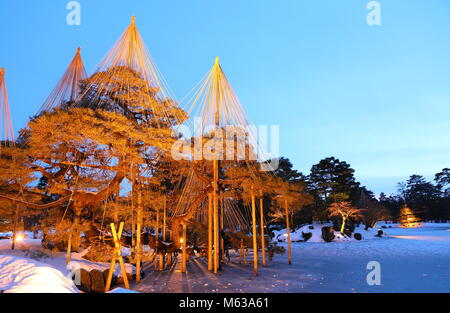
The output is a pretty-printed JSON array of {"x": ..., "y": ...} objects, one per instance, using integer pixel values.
[
  {"x": 263, "y": 243},
  {"x": 245, "y": 256},
  {"x": 110, "y": 273},
  {"x": 288, "y": 232},
  {"x": 183, "y": 250},
  {"x": 164, "y": 217},
  {"x": 216, "y": 167},
  {"x": 138, "y": 255},
  {"x": 156, "y": 238},
  {"x": 222, "y": 242},
  {"x": 170, "y": 254},
  {"x": 117, "y": 255},
  {"x": 241, "y": 251},
  {"x": 133, "y": 222},
  {"x": 255, "y": 239},
  {"x": 140, "y": 220},
  {"x": 161, "y": 256},
  {"x": 216, "y": 232},
  {"x": 210, "y": 232}
]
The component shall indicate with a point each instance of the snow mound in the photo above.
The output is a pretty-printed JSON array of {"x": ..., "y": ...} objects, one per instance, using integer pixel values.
[
  {"x": 296, "y": 236},
  {"x": 100, "y": 266},
  {"x": 20, "y": 275}
]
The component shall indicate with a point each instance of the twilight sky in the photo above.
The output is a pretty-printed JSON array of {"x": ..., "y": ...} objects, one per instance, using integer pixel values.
[{"x": 377, "y": 97}]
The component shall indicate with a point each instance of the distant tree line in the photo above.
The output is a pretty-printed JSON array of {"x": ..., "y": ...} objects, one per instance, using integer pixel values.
[{"x": 332, "y": 181}]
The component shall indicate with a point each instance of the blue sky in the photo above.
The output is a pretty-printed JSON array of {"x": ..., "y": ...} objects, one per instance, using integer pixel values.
[{"x": 377, "y": 97}]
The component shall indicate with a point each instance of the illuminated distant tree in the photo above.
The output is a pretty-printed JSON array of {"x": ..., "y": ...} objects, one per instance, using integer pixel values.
[
  {"x": 345, "y": 210},
  {"x": 407, "y": 218}
]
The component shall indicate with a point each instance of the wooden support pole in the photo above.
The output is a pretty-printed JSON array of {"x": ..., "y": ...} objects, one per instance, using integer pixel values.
[
  {"x": 112, "y": 267},
  {"x": 210, "y": 232},
  {"x": 255, "y": 236},
  {"x": 261, "y": 217},
  {"x": 156, "y": 238},
  {"x": 216, "y": 233},
  {"x": 170, "y": 254},
  {"x": 140, "y": 221},
  {"x": 222, "y": 242},
  {"x": 183, "y": 250},
  {"x": 216, "y": 82},
  {"x": 241, "y": 251},
  {"x": 117, "y": 255},
  {"x": 138, "y": 254},
  {"x": 245, "y": 256},
  {"x": 288, "y": 232},
  {"x": 164, "y": 217},
  {"x": 133, "y": 209}
]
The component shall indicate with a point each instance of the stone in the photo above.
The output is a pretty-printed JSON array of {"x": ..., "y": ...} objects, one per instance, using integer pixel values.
[
  {"x": 98, "y": 283},
  {"x": 306, "y": 236},
  {"x": 328, "y": 233}
]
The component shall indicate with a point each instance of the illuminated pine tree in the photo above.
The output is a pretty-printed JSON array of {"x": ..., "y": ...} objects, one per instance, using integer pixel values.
[{"x": 407, "y": 218}]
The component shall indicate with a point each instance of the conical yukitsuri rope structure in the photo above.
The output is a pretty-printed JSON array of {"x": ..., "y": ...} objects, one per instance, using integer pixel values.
[
  {"x": 214, "y": 101},
  {"x": 127, "y": 62},
  {"x": 7, "y": 132},
  {"x": 68, "y": 88}
]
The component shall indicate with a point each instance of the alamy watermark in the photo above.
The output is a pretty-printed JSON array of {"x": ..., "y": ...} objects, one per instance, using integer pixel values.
[
  {"x": 231, "y": 143},
  {"x": 374, "y": 276},
  {"x": 374, "y": 16},
  {"x": 74, "y": 16}
]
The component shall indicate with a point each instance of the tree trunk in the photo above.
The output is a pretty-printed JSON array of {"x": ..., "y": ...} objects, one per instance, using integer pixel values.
[
  {"x": 343, "y": 225},
  {"x": 16, "y": 223},
  {"x": 76, "y": 232}
]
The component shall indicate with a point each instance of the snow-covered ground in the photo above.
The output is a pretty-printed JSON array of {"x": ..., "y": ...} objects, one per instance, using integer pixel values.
[
  {"x": 412, "y": 260},
  {"x": 20, "y": 275},
  {"x": 30, "y": 268},
  {"x": 316, "y": 232}
]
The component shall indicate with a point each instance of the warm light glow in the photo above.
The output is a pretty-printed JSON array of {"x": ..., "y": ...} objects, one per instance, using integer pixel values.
[
  {"x": 181, "y": 240},
  {"x": 20, "y": 237}
]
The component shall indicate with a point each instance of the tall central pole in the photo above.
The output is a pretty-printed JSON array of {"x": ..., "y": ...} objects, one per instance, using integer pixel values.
[
  {"x": 216, "y": 168},
  {"x": 210, "y": 232},
  {"x": 255, "y": 242}
]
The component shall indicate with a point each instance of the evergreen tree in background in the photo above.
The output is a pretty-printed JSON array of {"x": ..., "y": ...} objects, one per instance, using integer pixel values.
[{"x": 407, "y": 218}]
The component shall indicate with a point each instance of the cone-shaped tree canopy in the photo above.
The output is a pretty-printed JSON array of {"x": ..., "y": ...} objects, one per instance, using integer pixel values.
[{"x": 68, "y": 88}]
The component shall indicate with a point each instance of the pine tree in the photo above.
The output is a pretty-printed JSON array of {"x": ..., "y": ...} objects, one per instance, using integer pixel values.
[{"x": 407, "y": 218}]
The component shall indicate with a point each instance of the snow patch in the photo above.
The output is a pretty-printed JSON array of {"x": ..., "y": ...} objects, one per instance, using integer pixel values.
[{"x": 20, "y": 275}]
